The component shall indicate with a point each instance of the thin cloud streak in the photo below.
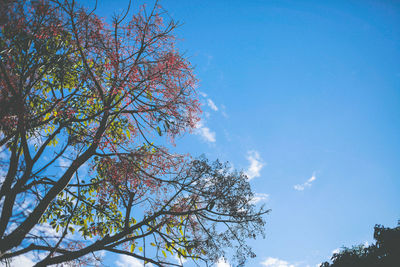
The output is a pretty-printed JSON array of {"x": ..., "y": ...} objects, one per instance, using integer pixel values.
[
  {"x": 308, "y": 183},
  {"x": 212, "y": 105}
]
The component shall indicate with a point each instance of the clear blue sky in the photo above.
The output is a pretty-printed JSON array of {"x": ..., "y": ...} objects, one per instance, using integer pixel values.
[{"x": 303, "y": 89}]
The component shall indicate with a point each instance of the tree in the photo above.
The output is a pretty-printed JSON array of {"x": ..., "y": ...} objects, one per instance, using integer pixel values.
[
  {"x": 82, "y": 106},
  {"x": 384, "y": 253}
]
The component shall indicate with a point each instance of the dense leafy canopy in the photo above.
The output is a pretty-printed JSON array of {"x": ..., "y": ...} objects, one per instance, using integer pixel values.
[{"x": 82, "y": 105}]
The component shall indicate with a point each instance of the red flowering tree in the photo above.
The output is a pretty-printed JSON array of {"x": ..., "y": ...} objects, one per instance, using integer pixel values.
[{"x": 81, "y": 106}]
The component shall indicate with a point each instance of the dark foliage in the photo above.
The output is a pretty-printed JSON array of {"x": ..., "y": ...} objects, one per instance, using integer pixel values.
[{"x": 384, "y": 253}]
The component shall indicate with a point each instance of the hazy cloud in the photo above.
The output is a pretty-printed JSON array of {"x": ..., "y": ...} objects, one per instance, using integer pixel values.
[
  {"x": 256, "y": 164},
  {"x": 223, "y": 111},
  {"x": 259, "y": 197},
  {"x": 202, "y": 94},
  {"x": 308, "y": 183},
  {"x": 45, "y": 229},
  {"x": 64, "y": 163},
  {"x": 128, "y": 261},
  {"x": 212, "y": 105},
  {"x": 222, "y": 263},
  {"x": 21, "y": 261},
  {"x": 3, "y": 171},
  {"x": 275, "y": 262},
  {"x": 205, "y": 132},
  {"x": 4, "y": 155},
  {"x": 180, "y": 260}
]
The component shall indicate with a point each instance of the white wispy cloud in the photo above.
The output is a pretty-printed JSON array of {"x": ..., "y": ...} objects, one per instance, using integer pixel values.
[
  {"x": 259, "y": 197},
  {"x": 275, "y": 262},
  {"x": 205, "y": 132},
  {"x": 25, "y": 260},
  {"x": 4, "y": 155},
  {"x": 209, "y": 101},
  {"x": 45, "y": 230},
  {"x": 180, "y": 260},
  {"x": 212, "y": 105},
  {"x": 336, "y": 251},
  {"x": 222, "y": 263},
  {"x": 256, "y": 164},
  {"x": 64, "y": 163},
  {"x": 21, "y": 261},
  {"x": 208, "y": 64},
  {"x": 202, "y": 94},
  {"x": 308, "y": 183},
  {"x": 128, "y": 261},
  {"x": 3, "y": 171},
  {"x": 223, "y": 111}
]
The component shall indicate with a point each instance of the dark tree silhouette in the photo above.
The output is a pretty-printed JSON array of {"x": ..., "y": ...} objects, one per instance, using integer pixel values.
[{"x": 384, "y": 253}]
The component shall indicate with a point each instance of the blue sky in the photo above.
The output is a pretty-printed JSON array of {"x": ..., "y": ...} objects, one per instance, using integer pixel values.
[
  {"x": 313, "y": 89},
  {"x": 304, "y": 96}
]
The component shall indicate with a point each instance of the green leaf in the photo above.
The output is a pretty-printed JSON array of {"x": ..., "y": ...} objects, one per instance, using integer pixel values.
[
  {"x": 149, "y": 95},
  {"x": 159, "y": 131}
]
